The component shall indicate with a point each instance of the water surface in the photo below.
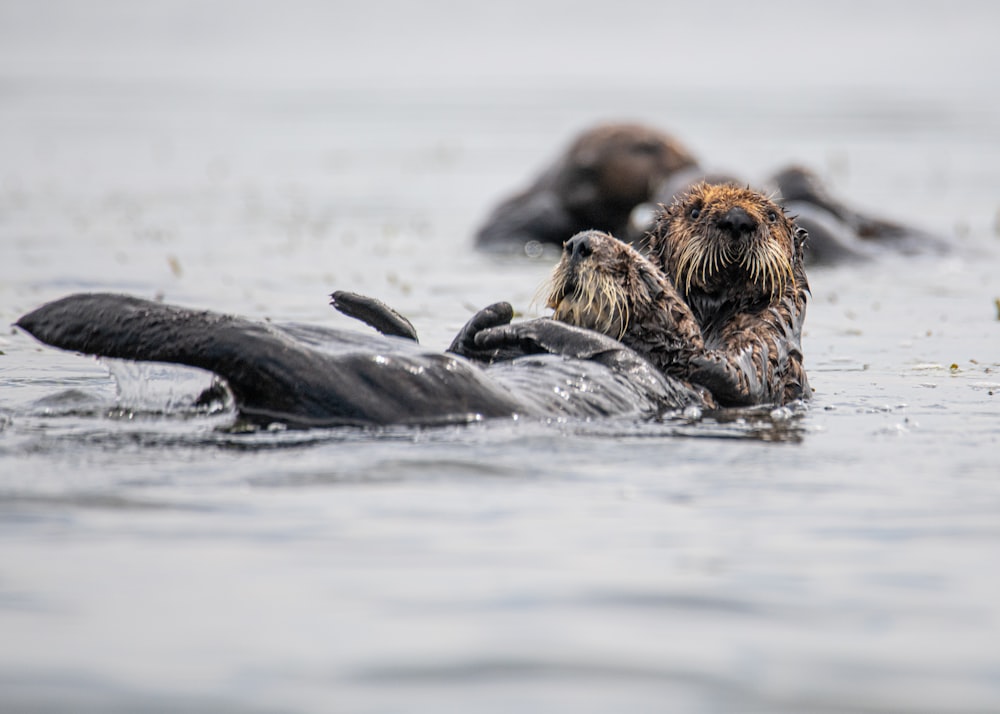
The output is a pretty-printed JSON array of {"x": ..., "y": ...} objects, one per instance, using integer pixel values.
[{"x": 840, "y": 558}]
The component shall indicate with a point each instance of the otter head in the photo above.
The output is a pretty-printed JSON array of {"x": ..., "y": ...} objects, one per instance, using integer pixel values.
[
  {"x": 730, "y": 244},
  {"x": 611, "y": 168},
  {"x": 602, "y": 284}
]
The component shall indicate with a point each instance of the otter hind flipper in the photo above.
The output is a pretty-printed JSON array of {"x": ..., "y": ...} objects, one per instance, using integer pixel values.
[
  {"x": 258, "y": 362},
  {"x": 126, "y": 327},
  {"x": 374, "y": 313},
  {"x": 295, "y": 375}
]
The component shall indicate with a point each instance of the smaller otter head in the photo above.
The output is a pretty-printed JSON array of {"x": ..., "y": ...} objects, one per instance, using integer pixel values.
[
  {"x": 602, "y": 284},
  {"x": 728, "y": 242}
]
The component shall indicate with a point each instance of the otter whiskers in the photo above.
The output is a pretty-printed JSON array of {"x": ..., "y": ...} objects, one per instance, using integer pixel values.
[
  {"x": 595, "y": 300},
  {"x": 701, "y": 260}
]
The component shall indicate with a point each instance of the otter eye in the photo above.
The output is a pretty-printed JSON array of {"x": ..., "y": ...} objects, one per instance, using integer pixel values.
[
  {"x": 694, "y": 212},
  {"x": 772, "y": 216}
]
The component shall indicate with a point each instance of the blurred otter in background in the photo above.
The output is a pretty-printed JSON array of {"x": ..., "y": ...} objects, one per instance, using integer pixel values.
[
  {"x": 613, "y": 177},
  {"x": 595, "y": 184}
]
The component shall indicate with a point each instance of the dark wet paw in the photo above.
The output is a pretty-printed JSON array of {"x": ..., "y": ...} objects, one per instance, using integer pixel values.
[
  {"x": 465, "y": 342},
  {"x": 547, "y": 335}
]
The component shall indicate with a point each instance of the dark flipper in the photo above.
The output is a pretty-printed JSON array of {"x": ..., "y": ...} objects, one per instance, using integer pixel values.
[
  {"x": 274, "y": 376},
  {"x": 375, "y": 313}
]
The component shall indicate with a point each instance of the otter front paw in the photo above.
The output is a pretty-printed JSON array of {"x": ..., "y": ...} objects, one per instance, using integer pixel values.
[
  {"x": 492, "y": 316},
  {"x": 547, "y": 335}
]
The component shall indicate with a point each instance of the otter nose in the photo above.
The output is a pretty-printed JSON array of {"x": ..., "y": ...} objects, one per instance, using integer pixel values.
[
  {"x": 737, "y": 221},
  {"x": 579, "y": 246}
]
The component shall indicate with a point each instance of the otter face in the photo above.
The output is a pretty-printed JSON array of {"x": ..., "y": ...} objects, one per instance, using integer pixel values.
[
  {"x": 602, "y": 284},
  {"x": 722, "y": 239},
  {"x": 612, "y": 168}
]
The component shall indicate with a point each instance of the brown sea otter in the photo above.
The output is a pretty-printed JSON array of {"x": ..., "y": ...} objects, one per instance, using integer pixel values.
[
  {"x": 722, "y": 308},
  {"x": 595, "y": 183}
]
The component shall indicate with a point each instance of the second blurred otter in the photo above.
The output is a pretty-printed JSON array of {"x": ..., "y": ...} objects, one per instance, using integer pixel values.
[{"x": 595, "y": 184}]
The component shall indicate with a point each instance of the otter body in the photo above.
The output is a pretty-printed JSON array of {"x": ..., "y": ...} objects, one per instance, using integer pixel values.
[
  {"x": 307, "y": 376},
  {"x": 737, "y": 261}
]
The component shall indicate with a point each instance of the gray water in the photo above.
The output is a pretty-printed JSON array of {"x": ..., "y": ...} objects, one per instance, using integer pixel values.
[{"x": 251, "y": 158}]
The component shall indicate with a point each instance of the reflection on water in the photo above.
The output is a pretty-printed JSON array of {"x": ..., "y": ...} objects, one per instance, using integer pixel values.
[
  {"x": 65, "y": 423},
  {"x": 152, "y": 402}
]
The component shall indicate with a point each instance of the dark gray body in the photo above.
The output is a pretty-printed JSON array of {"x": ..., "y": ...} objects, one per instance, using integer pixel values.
[{"x": 311, "y": 376}]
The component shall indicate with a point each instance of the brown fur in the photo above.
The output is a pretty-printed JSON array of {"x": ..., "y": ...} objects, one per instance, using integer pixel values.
[
  {"x": 594, "y": 184},
  {"x": 610, "y": 169},
  {"x": 615, "y": 290},
  {"x": 715, "y": 305}
]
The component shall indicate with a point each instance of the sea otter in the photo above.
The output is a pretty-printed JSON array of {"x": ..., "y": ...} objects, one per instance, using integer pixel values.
[
  {"x": 715, "y": 318},
  {"x": 307, "y": 376},
  {"x": 613, "y": 177},
  {"x": 720, "y": 307},
  {"x": 595, "y": 183}
]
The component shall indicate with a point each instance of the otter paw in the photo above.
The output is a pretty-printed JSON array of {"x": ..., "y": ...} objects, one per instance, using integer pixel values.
[
  {"x": 548, "y": 335},
  {"x": 464, "y": 344}
]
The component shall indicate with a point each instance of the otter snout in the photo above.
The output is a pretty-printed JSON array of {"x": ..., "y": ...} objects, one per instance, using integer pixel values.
[
  {"x": 737, "y": 222},
  {"x": 580, "y": 246}
]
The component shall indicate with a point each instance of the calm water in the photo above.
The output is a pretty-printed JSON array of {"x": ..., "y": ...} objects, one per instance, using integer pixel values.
[{"x": 842, "y": 558}]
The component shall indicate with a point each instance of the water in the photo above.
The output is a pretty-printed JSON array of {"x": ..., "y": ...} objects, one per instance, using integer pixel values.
[{"x": 253, "y": 159}]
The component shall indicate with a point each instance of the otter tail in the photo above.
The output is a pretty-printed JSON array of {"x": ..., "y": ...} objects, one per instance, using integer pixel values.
[{"x": 273, "y": 373}]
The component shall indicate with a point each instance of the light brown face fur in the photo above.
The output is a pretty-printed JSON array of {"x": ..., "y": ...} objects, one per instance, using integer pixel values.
[
  {"x": 602, "y": 284},
  {"x": 719, "y": 239}
]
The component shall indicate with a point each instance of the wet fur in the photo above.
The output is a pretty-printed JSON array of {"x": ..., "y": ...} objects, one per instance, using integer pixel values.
[
  {"x": 617, "y": 291},
  {"x": 707, "y": 307}
]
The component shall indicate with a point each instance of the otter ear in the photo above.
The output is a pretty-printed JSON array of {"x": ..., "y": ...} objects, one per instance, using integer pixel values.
[{"x": 801, "y": 236}]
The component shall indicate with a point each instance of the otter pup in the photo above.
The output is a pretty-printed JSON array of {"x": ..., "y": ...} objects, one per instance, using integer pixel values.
[{"x": 719, "y": 304}]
